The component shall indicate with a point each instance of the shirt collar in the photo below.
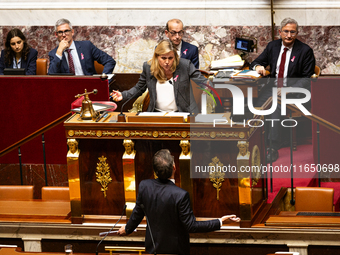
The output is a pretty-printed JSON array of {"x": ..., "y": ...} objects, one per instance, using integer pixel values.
[{"x": 73, "y": 46}]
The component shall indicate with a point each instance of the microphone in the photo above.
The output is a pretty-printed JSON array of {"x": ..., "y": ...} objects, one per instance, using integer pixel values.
[
  {"x": 107, "y": 233},
  {"x": 121, "y": 116},
  {"x": 147, "y": 221}
]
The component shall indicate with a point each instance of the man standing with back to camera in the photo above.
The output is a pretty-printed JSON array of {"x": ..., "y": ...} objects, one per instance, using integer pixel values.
[
  {"x": 174, "y": 31},
  {"x": 291, "y": 64},
  {"x": 76, "y": 57},
  {"x": 167, "y": 208}
]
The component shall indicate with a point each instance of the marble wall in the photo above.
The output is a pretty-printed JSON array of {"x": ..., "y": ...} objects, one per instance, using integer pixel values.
[
  {"x": 129, "y": 30},
  {"x": 130, "y": 46}
]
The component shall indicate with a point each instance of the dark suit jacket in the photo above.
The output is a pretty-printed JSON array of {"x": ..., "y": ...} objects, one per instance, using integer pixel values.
[
  {"x": 170, "y": 217},
  {"x": 87, "y": 54},
  {"x": 30, "y": 65},
  {"x": 301, "y": 63},
  {"x": 189, "y": 51},
  {"x": 184, "y": 97}
]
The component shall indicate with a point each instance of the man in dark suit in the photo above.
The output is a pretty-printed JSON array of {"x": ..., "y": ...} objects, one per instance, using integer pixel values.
[
  {"x": 291, "y": 63},
  {"x": 167, "y": 207},
  {"x": 76, "y": 57},
  {"x": 174, "y": 31}
]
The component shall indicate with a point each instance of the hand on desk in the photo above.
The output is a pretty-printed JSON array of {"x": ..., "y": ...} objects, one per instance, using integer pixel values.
[
  {"x": 261, "y": 70},
  {"x": 230, "y": 218},
  {"x": 116, "y": 95}
]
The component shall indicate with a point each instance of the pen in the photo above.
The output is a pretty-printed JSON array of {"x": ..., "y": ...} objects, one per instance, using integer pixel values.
[
  {"x": 102, "y": 116},
  {"x": 108, "y": 116}
]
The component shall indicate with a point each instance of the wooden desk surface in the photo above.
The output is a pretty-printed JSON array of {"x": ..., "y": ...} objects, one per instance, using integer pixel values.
[
  {"x": 291, "y": 219},
  {"x": 31, "y": 210}
]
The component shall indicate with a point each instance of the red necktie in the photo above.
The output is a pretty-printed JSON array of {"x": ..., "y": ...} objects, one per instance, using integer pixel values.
[
  {"x": 282, "y": 68},
  {"x": 70, "y": 61}
]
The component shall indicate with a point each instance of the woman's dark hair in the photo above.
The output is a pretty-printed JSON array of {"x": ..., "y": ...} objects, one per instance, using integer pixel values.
[{"x": 9, "y": 53}]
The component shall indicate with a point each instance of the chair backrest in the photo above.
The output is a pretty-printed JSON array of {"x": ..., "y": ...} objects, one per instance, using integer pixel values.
[
  {"x": 99, "y": 67},
  {"x": 314, "y": 199},
  {"x": 55, "y": 193},
  {"x": 41, "y": 66},
  {"x": 317, "y": 70},
  {"x": 16, "y": 192}
]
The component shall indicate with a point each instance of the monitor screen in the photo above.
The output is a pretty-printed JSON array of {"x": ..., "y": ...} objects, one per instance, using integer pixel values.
[
  {"x": 14, "y": 71},
  {"x": 243, "y": 44}
]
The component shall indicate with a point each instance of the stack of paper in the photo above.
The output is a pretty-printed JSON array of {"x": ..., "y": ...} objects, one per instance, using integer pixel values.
[{"x": 230, "y": 62}]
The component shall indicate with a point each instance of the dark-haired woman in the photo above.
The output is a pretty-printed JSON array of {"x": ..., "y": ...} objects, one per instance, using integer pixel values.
[{"x": 18, "y": 54}]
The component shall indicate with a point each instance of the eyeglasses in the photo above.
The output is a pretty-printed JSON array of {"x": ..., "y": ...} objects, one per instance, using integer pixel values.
[
  {"x": 66, "y": 32},
  {"x": 180, "y": 33},
  {"x": 292, "y": 32}
]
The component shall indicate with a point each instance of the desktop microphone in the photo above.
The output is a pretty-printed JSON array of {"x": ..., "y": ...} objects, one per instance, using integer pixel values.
[
  {"x": 121, "y": 116},
  {"x": 110, "y": 230},
  {"x": 147, "y": 221}
]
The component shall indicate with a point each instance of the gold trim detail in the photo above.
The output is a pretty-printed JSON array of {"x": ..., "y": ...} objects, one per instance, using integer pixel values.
[
  {"x": 103, "y": 174},
  {"x": 216, "y": 177},
  {"x": 157, "y": 134},
  {"x": 256, "y": 161}
]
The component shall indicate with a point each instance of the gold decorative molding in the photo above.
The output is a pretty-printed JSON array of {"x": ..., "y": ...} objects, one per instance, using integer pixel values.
[
  {"x": 256, "y": 161},
  {"x": 216, "y": 177},
  {"x": 103, "y": 174},
  {"x": 158, "y": 134}
]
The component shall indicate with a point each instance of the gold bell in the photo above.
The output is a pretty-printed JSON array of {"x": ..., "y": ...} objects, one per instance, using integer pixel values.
[{"x": 87, "y": 111}]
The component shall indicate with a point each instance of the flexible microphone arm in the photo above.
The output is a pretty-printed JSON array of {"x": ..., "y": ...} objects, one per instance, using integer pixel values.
[
  {"x": 147, "y": 221},
  {"x": 110, "y": 230},
  {"x": 121, "y": 116}
]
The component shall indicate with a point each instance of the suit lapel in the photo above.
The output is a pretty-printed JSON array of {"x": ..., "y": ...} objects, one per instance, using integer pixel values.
[
  {"x": 176, "y": 82},
  {"x": 276, "y": 54},
  {"x": 293, "y": 57},
  {"x": 80, "y": 55}
]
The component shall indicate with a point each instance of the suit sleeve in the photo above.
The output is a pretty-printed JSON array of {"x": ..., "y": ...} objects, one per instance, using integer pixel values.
[
  {"x": 133, "y": 92},
  {"x": 188, "y": 219},
  {"x": 55, "y": 63},
  {"x": 197, "y": 76},
  {"x": 137, "y": 213},
  {"x": 195, "y": 59},
  {"x": 32, "y": 62},
  {"x": 262, "y": 60},
  {"x": 307, "y": 71},
  {"x": 103, "y": 58},
  {"x": 2, "y": 62}
]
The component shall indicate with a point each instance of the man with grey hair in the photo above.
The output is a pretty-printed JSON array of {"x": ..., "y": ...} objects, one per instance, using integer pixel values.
[
  {"x": 291, "y": 63},
  {"x": 76, "y": 57},
  {"x": 170, "y": 218}
]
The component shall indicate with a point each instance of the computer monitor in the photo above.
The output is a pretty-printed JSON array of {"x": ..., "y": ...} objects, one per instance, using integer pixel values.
[
  {"x": 14, "y": 71},
  {"x": 244, "y": 44}
]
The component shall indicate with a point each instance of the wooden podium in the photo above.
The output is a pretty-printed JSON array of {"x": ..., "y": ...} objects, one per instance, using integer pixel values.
[{"x": 110, "y": 160}]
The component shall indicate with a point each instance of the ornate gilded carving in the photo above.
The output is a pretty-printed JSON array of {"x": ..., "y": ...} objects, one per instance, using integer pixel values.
[
  {"x": 185, "y": 145},
  {"x": 73, "y": 148},
  {"x": 103, "y": 174},
  {"x": 243, "y": 149},
  {"x": 157, "y": 134},
  {"x": 129, "y": 147},
  {"x": 256, "y": 161},
  {"x": 216, "y": 177}
]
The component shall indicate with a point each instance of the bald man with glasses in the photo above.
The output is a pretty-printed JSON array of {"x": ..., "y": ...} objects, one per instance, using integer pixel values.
[
  {"x": 291, "y": 63},
  {"x": 76, "y": 57},
  {"x": 174, "y": 31}
]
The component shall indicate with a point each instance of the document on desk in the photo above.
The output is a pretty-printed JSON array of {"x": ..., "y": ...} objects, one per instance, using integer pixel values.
[{"x": 166, "y": 114}]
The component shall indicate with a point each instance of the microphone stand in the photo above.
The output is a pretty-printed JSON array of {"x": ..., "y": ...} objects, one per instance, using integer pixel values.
[
  {"x": 121, "y": 116},
  {"x": 110, "y": 230},
  {"x": 147, "y": 221}
]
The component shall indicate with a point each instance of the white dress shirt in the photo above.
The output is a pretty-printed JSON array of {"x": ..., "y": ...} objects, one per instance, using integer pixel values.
[{"x": 76, "y": 62}]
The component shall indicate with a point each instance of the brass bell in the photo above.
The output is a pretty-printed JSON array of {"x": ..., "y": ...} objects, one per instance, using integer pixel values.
[{"x": 87, "y": 111}]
